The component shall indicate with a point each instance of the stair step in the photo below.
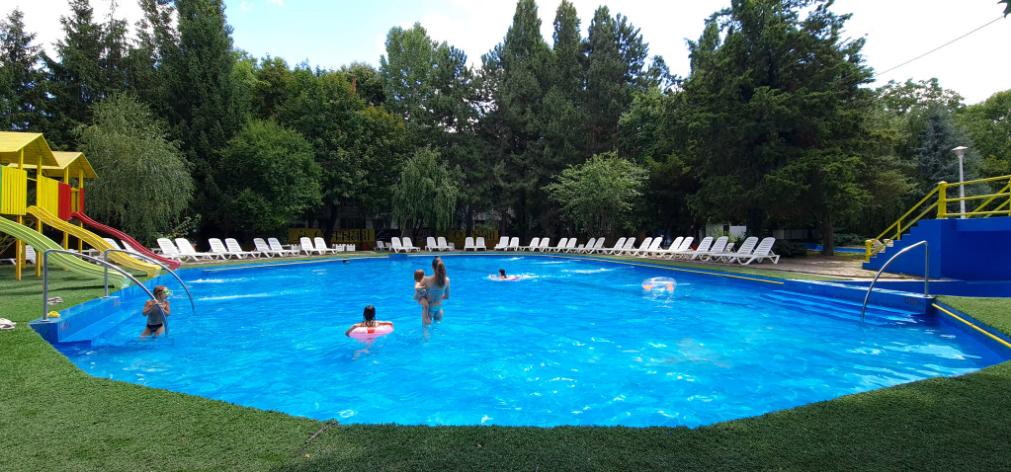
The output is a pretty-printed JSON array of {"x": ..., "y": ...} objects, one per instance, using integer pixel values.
[{"x": 844, "y": 310}]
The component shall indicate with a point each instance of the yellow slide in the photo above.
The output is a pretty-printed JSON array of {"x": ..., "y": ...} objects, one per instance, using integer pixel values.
[{"x": 94, "y": 241}]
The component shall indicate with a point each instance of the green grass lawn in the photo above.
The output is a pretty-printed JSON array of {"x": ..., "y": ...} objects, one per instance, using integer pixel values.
[{"x": 55, "y": 417}]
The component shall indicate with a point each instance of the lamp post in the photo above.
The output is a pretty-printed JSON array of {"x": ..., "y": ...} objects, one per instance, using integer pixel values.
[{"x": 960, "y": 152}]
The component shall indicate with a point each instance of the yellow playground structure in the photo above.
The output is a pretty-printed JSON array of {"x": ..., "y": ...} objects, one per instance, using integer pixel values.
[{"x": 26, "y": 158}]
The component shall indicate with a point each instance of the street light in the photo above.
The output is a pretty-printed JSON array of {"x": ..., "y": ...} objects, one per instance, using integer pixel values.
[{"x": 960, "y": 152}]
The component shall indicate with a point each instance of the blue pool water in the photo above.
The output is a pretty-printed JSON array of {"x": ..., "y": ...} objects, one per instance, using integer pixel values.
[{"x": 576, "y": 342}]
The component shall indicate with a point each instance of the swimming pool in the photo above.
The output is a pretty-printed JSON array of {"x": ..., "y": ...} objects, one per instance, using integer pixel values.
[{"x": 576, "y": 342}]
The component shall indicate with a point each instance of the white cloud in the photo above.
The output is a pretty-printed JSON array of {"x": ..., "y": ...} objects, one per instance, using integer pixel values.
[{"x": 279, "y": 3}]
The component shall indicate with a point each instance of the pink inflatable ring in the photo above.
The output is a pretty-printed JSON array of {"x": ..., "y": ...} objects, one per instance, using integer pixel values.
[{"x": 363, "y": 333}]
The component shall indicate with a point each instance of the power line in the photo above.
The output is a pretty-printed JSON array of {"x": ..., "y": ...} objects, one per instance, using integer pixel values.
[{"x": 949, "y": 43}]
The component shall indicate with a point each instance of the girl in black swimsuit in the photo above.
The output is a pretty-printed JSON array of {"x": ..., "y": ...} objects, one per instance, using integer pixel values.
[{"x": 156, "y": 312}]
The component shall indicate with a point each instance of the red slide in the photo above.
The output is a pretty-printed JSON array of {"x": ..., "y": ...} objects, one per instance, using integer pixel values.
[{"x": 123, "y": 237}]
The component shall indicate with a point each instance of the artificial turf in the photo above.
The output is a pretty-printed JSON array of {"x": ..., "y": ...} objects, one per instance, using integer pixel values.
[{"x": 55, "y": 417}]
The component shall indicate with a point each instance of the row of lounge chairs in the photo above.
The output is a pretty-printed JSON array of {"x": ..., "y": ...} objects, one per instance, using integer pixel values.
[
  {"x": 181, "y": 249},
  {"x": 405, "y": 244},
  {"x": 709, "y": 249}
]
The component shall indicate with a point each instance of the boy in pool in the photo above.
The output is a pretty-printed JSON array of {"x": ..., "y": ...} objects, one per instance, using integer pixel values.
[
  {"x": 369, "y": 321},
  {"x": 156, "y": 312},
  {"x": 421, "y": 295}
]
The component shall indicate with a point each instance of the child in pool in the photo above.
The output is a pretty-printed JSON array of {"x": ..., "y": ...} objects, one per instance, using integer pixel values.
[
  {"x": 421, "y": 294},
  {"x": 369, "y": 316},
  {"x": 156, "y": 312}
]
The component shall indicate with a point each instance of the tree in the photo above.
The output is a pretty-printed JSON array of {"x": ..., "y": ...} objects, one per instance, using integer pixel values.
[
  {"x": 776, "y": 113},
  {"x": 425, "y": 195},
  {"x": 144, "y": 183},
  {"x": 268, "y": 177},
  {"x": 323, "y": 107},
  {"x": 598, "y": 196},
  {"x": 200, "y": 97},
  {"x": 22, "y": 80},
  {"x": 933, "y": 158},
  {"x": 989, "y": 126},
  {"x": 514, "y": 79},
  {"x": 89, "y": 66}
]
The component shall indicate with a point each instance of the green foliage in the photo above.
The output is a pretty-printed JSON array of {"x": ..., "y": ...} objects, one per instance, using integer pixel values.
[
  {"x": 597, "y": 196},
  {"x": 200, "y": 92},
  {"x": 425, "y": 195},
  {"x": 912, "y": 96},
  {"x": 988, "y": 124},
  {"x": 933, "y": 156},
  {"x": 22, "y": 80},
  {"x": 144, "y": 184},
  {"x": 88, "y": 67},
  {"x": 776, "y": 116},
  {"x": 268, "y": 177}
]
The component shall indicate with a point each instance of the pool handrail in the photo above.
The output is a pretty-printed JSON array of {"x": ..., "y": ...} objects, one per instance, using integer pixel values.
[
  {"x": 45, "y": 277},
  {"x": 926, "y": 273},
  {"x": 105, "y": 256}
]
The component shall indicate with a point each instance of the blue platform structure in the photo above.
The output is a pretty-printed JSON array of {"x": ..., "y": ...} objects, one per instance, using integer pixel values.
[
  {"x": 965, "y": 249},
  {"x": 967, "y": 228}
]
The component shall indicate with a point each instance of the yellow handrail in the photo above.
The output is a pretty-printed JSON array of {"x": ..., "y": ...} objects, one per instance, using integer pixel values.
[{"x": 903, "y": 223}]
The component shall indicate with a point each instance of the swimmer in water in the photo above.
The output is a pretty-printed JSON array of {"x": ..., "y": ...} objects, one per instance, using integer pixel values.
[
  {"x": 369, "y": 316},
  {"x": 502, "y": 275}
]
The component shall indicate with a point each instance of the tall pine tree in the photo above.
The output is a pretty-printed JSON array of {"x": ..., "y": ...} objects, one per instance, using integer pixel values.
[
  {"x": 76, "y": 79},
  {"x": 22, "y": 80},
  {"x": 199, "y": 91}
]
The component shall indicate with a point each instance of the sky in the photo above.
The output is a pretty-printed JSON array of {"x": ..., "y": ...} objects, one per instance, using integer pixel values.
[{"x": 331, "y": 33}]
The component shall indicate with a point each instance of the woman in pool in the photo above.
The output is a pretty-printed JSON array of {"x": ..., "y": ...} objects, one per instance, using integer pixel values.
[
  {"x": 156, "y": 312},
  {"x": 438, "y": 289}
]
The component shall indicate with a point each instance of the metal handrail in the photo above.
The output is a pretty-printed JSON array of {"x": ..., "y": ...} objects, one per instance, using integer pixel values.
[
  {"x": 106, "y": 264},
  {"x": 105, "y": 256},
  {"x": 926, "y": 273}
]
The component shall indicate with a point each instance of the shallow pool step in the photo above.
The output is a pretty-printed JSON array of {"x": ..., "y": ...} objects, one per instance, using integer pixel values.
[{"x": 844, "y": 310}]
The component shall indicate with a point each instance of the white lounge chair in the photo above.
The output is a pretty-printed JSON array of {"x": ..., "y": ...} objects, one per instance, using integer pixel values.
[
  {"x": 558, "y": 247},
  {"x": 650, "y": 248},
  {"x": 30, "y": 255},
  {"x": 747, "y": 247},
  {"x": 514, "y": 244},
  {"x": 480, "y": 245},
  {"x": 112, "y": 242},
  {"x": 543, "y": 246},
  {"x": 431, "y": 244},
  {"x": 235, "y": 249},
  {"x": 587, "y": 247},
  {"x": 571, "y": 246},
  {"x": 409, "y": 245},
  {"x": 396, "y": 245},
  {"x": 702, "y": 248},
  {"x": 280, "y": 250},
  {"x": 306, "y": 247},
  {"x": 187, "y": 250},
  {"x": 168, "y": 249},
  {"x": 219, "y": 250},
  {"x": 443, "y": 245},
  {"x": 662, "y": 253},
  {"x": 503, "y": 243},
  {"x": 597, "y": 247},
  {"x": 381, "y": 246},
  {"x": 632, "y": 250},
  {"x": 320, "y": 244},
  {"x": 684, "y": 250},
  {"x": 762, "y": 252},
  {"x": 263, "y": 248},
  {"x": 719, "y": 247},
  {"x": 468, "y": 244},
  {"x": 534, "y": 242},
  {"x": 618, "y": 245}
]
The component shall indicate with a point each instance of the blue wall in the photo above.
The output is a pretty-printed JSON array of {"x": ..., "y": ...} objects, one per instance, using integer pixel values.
[{"x": 969, "y": 249}]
